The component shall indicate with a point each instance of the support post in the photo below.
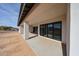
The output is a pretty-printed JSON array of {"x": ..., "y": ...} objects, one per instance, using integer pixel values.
[
  {"x": 19, "y": 29},
  {"x": 38, "y": 30},
  {"x": 26, "y": 30},
  {"x": 68, "y": 30}
]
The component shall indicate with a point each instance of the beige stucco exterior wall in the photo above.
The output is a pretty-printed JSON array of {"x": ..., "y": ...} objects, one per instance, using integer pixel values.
[{"x": 74, "y": 29}]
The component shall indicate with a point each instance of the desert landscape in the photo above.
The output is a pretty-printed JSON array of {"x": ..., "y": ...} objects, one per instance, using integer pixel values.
[{"x": 12, "y": 44}]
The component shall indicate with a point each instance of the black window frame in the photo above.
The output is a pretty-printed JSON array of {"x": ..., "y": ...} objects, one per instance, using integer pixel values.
[
  {"x": 60, "y": 30},
  {"x": 53, "y": 34},
  {"x": 43, "y": 31},
  {"x": 48, "y": 29},
  {"x": 35, "y": 30}
]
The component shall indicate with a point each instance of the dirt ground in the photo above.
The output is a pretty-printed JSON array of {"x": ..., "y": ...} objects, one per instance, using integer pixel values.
[{"x": 11, "y": 43}]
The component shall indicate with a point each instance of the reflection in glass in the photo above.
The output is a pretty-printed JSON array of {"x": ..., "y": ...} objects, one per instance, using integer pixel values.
[
  {"x": 35, "y": 30},
  {"x": 57, "y": 31},
  {"x": 43, "y": 30},
  {"x": 50, "y": 30}
]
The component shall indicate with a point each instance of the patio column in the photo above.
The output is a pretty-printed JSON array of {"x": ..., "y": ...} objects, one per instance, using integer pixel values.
[
  {"x": 38, "y": 30},
  {"x": 19, "y": 29},
  {"x": 68, "y": 30},
  {"x": 26, "y": 30}
]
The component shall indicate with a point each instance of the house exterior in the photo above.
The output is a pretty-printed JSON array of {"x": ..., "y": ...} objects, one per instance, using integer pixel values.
[{"x": 47, "y": 20}]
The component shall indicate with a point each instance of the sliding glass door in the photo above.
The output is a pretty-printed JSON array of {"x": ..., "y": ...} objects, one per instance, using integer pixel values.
[
  {"x": 52, "y": 30},
  {"x": 57, "y": 30},
  {"x": 35, "y": 30},
  {"x": 43, "y": 30}
]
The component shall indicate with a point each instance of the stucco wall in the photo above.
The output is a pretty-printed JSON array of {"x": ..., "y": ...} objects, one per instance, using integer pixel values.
[{"x": 74, "y": 30}]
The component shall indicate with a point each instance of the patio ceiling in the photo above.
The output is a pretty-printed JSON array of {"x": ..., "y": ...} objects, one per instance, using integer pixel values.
[
  {"x": 46, "y": 12},
  {"x": 38, "y": 13}
]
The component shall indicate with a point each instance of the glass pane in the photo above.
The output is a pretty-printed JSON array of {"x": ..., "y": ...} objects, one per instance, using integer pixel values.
[
  {"x": 35, "y": 30},
  {"x": 57, "y": 31},
  {"x": 43, "y": 30},
  {"x": 50, "y": 30}
]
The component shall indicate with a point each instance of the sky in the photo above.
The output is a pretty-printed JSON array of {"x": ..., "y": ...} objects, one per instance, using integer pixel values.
[{"x": 9, "y": 14}]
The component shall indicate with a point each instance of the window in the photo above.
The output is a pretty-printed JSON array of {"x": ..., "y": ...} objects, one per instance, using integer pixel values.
[
  {"x": 52, "y": 30},
  {"x": 57, "y": 31},
  {"x": 35, "y": 30},
  {"x": 43, "y": 30}
]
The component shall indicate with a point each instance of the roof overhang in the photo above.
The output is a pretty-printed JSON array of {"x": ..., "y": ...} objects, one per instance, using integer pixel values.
[{"x": 24, "y": 9}]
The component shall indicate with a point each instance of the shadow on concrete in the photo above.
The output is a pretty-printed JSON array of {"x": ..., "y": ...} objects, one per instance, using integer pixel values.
[
  {"x": 64, "y": 49},
  {"x": 32, "y": 37}
]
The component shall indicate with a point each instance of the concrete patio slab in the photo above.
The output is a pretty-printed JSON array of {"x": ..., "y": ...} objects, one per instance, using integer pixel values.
[{"x": 43, "y": 46}]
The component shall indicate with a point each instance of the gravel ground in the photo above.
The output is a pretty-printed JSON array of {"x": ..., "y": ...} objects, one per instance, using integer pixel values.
[{"x": 12, "y": 44}]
